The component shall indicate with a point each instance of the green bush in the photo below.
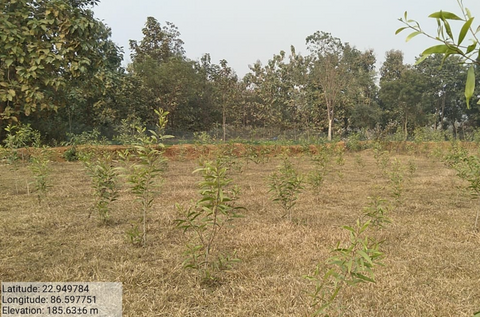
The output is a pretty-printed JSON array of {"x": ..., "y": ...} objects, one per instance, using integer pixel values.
[
  {"x": 285, "y": 185},
  {"x": 206, "y": 218}
]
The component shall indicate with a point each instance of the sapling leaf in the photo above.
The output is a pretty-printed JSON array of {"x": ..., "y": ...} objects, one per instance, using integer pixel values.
[
  {"x": 401, "y": 29},
  {"x": 470, "y": 85},
  {"x": 363, "y": 277},
  {"x": 365, "y": 256},
  {"x": 464, "y": 30},
  {"x": 445, "y": 15},
  {"x": 412, "y": 35},
  {"x": 471, "y": 48},
  {"x": 448, "y": 29}
]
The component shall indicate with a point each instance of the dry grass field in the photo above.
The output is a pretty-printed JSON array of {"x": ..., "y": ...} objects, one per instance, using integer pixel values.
[{"x": 432, "y": 252}]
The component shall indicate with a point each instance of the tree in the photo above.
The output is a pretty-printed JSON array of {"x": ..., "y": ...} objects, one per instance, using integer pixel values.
[
  {"x": 341, "y": 76},
  {"x": 226, "y": 81},
  {"x": 403, "y": 99},
  {"x": 328, "y": 71},
  {"x": 159, "y": 63},
  {"x": 445, "y": 80},
  {"x": 393, "y": 66},
  {"x": 44, "y": 46},
  {"x": 451, "y": 45},
  {"x": 361, "y": 90},
  {"x": 158, "y": 43},
  {"x": 402, "y": 93},
  {"x": 278, "y": 92}
]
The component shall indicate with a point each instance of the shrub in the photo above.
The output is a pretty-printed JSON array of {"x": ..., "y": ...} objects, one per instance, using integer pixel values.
[
  {"x": 353, "y": 142},
  {"x": 149, "y": 163},
  {"x": 285, "y": 185},
  {"x": 40, "y": 169},
  {"x": 206, "y": 218},
  {"x": 71, "y": 155},
  {"x": 349, "y": 265},
  {"x": 104, "y": 182}
]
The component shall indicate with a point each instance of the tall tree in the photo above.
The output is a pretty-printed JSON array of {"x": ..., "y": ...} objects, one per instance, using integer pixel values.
[
  {"x": 328, "y": 71},
  {"x": 159, "y": 63},
  {"x": 158, "y": 43},
  {"x": 226, "y": 82},
  {"x": 340, "y": 74},
  {"x": 445, "y": 88},
  {"x": 44, "y": 45},
  {"x": 402, "y": 93}
]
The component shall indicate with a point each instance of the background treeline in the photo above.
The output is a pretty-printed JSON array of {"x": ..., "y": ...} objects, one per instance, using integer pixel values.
[{"x": 61, "y": 73}]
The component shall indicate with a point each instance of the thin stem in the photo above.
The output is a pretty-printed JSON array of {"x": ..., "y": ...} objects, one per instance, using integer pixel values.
[{"x": 476, "y": 219}]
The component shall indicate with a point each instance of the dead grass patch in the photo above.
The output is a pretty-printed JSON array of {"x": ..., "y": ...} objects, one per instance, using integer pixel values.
[{"x": 431, "y": 268}]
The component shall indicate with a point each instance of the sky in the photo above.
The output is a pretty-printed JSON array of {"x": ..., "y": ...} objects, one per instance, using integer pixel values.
[{"x": 247, "y": 31}]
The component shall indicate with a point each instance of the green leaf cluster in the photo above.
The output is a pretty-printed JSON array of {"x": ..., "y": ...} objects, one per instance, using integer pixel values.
[
  {"x": 285, "y": 185},
  {"x": 451, "y": 45},
  {"x": 148, "y": 164},
  {"x": 45, "y": 44},
  {"x": 348, "y": 266},
  {"x": 468, "y": 168},
  {"x": 104, "y": 177},
  {"x": 207, "y": 217},
  {"x": 39, "y": 165}
]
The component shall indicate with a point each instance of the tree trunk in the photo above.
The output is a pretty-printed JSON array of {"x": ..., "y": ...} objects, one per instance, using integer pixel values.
[
  {"x": 330, "y": 122},
  {"x": 224, "y": 125},
  {"x": 443, "y": 111},
  {"x": 330, "y": 129},
  {"x": 2, "y": 109}
]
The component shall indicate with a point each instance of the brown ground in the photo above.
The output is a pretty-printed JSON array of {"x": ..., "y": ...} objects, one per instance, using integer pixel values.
[{"x": 432, "y": 250}]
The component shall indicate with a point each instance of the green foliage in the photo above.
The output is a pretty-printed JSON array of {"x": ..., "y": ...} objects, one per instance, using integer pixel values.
[
  {"x": 86, "y": 138},
  {"x": 64, "y": 42},
  {"x": 203, "y": 138},
  {"x": 104, "y": 182},
  {"x": 396, "y": 176},
  {"x": 285, "y": 185},
  {"x": 359, "y": 161},
  {"x": 456, "y": 155},
  {"x": 130, "y": 131},
  {"x": 382, "y": 157},
  {"x": 412, "y": 167},
  {"x": 40, "y": 169},
  {"x": 339, "y": 152},
  {"x": 424, "y": 134},
  {"x": 134, "y": 235},
  {"x": 257, "y": 155},
  {"x": 349, "y": 265},
  {"x": 70, "y": 155},
  {"x": 206, "y": 218},
  {"x": 148, "y": 164},
  {"x": 142, "y": 177},
  {"x": 468, "y": 168},
  {"x": 322, "y": 162},
  {"x": 376, "y": 212},
  {"x": 353, "y": 142},
  {"x": 450, "y": 45},
  {"x": 20, "y": 136}
]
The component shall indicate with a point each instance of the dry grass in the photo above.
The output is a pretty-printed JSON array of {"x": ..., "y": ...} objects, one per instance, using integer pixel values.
[{"x": 432, "y": 251}]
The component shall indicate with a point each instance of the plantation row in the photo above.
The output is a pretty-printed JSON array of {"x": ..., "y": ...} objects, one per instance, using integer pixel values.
[{"x": 204, "y": 221}]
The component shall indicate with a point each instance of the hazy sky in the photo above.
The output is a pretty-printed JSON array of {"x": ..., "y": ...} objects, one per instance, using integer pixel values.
[{"x": 243, "y": 32}]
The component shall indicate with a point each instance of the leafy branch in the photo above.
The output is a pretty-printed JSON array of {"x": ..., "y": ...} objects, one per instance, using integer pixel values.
[{"x": 451, "y": 45}]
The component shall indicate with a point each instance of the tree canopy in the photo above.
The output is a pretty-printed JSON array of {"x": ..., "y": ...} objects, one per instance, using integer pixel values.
[{"x": 61, "y": 73}]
